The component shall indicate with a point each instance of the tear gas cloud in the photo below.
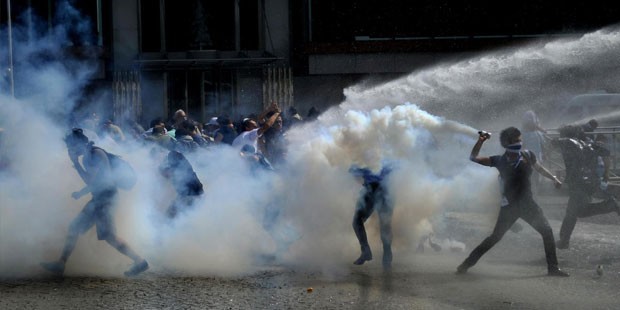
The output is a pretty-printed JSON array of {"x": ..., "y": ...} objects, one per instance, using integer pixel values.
[{"x": 422, "y": 124}]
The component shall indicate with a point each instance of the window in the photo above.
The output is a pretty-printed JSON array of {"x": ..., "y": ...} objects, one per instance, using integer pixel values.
[
  {"x": 200, "y": 25},
  {"x": 151, "y": 27}
]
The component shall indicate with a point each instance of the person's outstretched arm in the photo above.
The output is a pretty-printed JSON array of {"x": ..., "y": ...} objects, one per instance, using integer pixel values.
[
  {"x": 273, "y": 108},
  {"x": 485, "y": 161},
  {"x": 547, "y": 174}
]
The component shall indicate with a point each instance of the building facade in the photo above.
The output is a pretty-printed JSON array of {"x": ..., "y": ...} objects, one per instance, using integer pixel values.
[{"x": 234, "y": 57}]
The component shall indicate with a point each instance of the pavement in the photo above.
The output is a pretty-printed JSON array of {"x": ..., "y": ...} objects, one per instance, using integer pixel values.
[{"x": 511, "y": 276}]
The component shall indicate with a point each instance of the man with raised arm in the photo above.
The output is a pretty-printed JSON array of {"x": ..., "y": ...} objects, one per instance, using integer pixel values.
[{"x": 515, "y": 167}]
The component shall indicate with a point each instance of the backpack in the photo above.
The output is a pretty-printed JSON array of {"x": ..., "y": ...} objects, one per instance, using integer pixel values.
[
  {"x": 583, "y": 160},
  {"x": 124, "y": 175},
  {"x": 590, "y": 167}
]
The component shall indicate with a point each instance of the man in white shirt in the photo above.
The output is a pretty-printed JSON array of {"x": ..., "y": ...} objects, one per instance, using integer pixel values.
[{"x": 251, "y": 131}]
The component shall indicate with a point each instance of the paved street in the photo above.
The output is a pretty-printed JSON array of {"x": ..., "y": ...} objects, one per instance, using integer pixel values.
[{"x": 510, "y": 276}]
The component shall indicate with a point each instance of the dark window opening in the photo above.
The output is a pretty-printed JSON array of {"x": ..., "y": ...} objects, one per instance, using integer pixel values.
[
  {"x": 150, "y": 29},
  {"x": 218, "y": 92},
  {"x": 220, "y": 20},
  {"x": 200, "y": 25},
  {"x": 249, "y": 26},
  {"x": 185, "y": 91}
]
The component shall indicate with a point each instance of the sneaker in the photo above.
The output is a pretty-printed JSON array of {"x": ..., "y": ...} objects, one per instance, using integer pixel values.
[
  {"x": 137, "y": 268},
  {"x": 556, "y": 272},
  {"x": 365, "y": 256},
  {"x": 57, "y": 268},
  {"x": 462, "y": 269}
]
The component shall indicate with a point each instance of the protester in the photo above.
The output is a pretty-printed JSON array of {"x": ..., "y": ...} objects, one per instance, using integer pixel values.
[
  {"x": 181, "y": 174},
  {"x": 590, "y": 126},
  {"x": 251, "y": 131},
  {"x": 583, "y": 176},
  {"x": 534, "y": 140},
  {"x": 210, "y": 128},
  {"x": 158, "y": 136},
  {"x": 257, "y": 161},
  {"x": 226, "y": 134},
  {"x": 184, "y": 141},
  {"x": 111, "y": 130},
  {"x": 97, "y": 175},
  {"x": 313, "y": 114},
  {"x": 274, "y": 142},
  {"x": 292, "y": 118},
  {"x": 157, "y": 122},
  {"x": 515, "y": 167},
  {"x": 373, "y": 196}
]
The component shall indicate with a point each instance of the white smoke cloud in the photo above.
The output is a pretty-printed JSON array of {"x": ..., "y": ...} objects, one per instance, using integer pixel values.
[
  {"x": 427, "y": 142},
  {"x": 431, "y": 173}
]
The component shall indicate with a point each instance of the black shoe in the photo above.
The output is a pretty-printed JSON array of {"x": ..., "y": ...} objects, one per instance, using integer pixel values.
[
  {"x": 57, "y": 268},
  {"x": 462, "y": 269},
  {"x": 137, "y": 268},
  {"x": 556, "y": 272},
  {"x": 561, "y": 244},
  {"x": 365, "y": 256}
]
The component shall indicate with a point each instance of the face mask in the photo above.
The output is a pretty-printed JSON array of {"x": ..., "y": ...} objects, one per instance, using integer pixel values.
[{"x": 514, "y": 148}]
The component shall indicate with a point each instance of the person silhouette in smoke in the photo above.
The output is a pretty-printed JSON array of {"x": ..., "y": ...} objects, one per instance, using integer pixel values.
[
  {"x": 534, "y": 137},
  {"x": 589, "y": 128},
  {"x": 97, "y": 174},
  {"x": 373, "y": 196},
  {"x": 515, "y": 168},
  {"x": 581, "y": 158},
  {"x": 181, "y": 174}
]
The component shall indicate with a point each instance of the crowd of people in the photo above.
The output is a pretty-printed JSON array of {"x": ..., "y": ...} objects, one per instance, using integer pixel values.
[
  {"x": 265, "y": 132},
  {"x": 261, "y": 141}
]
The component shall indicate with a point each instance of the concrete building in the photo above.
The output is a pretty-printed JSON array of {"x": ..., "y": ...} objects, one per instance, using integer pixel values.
[{"x": 235, "y": 56}]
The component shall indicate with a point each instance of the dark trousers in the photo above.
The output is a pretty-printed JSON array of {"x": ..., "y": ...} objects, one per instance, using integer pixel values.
[
  {"x": 374, "y": 199},
  {"x": 580, "y": 205},
  {"x": 530, "y": 212}
]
